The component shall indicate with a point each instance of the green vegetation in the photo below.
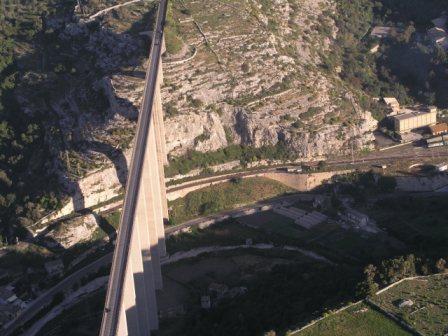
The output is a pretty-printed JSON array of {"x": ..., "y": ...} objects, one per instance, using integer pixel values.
[
  {"x": 21, "y": 257},
  {"x": 23, "y": 197},
  {"x": 225, "y": 233},
  {"x": 363, "y": 185},
  {"x": 84, "y": 318},
  {"x": 193, "y": 159},
  {"x": 287, "y": 295},
  {"x": 224, "y": 196},
  {"x": 405, "y": 67},
  {"x": 173, "y": 41},
  {"x": 420, "y": 223},
  {"x": 429, "y": 312},
  {"x": 270, "y": 222},
  {"x": 310, "y": 113},
  {"x": 358, "y": 320}
]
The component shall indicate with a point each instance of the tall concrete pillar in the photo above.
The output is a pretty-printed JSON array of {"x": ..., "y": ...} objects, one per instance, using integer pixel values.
[
  {"x": 131, "y": 307},
  {"x": 161, "y": 148},
  {"x": 143, "y": 277},
  {"x": 153, "y": 207}
]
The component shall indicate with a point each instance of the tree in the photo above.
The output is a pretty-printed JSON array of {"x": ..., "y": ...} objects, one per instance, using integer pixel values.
[{"x": 368, "y": 287}]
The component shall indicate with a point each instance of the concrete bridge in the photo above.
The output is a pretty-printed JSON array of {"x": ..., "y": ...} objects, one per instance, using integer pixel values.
[{"x": 131, "y": 307}]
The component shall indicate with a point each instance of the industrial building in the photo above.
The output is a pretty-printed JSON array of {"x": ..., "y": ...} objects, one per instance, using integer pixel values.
[
  {"x": 439, "y": 129},
  {"x": 393, "y": 105},
  {"x": 412, "y": 119}
]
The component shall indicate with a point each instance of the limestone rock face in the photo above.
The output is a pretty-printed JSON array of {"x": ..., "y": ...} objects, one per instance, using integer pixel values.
[
  {"x": 203, "y": 132},
  {"x": 248, "y": 73},
  {"x": 254, "y": 85}
]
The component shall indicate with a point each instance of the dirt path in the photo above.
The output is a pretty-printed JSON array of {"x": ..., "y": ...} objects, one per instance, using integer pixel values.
[{"x": 106, "y": 10}]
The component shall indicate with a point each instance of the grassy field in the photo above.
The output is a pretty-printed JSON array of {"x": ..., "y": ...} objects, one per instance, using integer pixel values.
[
  {"x": 271, "y": 222},
  {"x": 359, "y": 320},
  {"x": 328, "y": 236},
  {"x": 418, "y": 222},
  {"x": 224, "y": 196},
  {"x": 429, "y": 313},
  {"x": 223, "y": 234}
]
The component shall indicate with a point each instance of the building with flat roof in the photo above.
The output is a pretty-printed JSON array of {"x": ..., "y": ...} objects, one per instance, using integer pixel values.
[
  {"x": 393, "y": 104},
  {"x": 413, "y": 119},
  {"x": 383, "y": 31}
]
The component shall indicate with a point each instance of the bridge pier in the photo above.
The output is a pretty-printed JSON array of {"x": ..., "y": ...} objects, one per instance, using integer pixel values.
[
  {"x": 148, "y": 236},
  {"x": 131, "y": 307}
]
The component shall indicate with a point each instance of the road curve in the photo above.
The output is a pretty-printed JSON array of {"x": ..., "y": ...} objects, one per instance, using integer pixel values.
[{"x": 46, "y": 298}]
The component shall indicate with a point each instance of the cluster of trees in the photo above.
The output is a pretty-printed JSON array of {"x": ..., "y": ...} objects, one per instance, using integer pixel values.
[
  {"x": 404, "y": 68},
  {"x": 360, "y": 185},
  {"x": 23, "y": 152},
  {"x": 393, "y": 270},
  {"x": 286, "y": 296},
  {"x": 421, "y": 223},
  {"x": 421, "y": 12}
]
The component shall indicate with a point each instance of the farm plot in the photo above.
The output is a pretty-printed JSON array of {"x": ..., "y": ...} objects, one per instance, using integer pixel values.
[{"x": 421, "y": 303}]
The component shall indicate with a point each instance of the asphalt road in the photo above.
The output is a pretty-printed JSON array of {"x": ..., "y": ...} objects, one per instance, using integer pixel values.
[
  {"x": 69, "y": 281},
  {"x": 46, "y": 298}
]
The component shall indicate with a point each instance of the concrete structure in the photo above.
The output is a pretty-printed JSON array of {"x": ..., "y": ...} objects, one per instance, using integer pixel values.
[
  {"x": 393, "y": 104},
  {"x": 439, "y": 129},
  {"x": 442, "y": 167},
  {"x": 413, "y": 119},
  {"x": 375, "y": 49},
  {"x": 206, "y": 302},
  {"x": 131, "y": 307},
  {"x": 383, "y": 32},
  {"x": 357, "y": 218},
  {"x": 311, "y": 219}
]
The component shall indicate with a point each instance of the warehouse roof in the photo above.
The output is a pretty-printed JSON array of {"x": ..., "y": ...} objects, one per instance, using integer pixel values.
[
  {"x": 439, "y": 128},
  {"x": 409, "y": 114}
]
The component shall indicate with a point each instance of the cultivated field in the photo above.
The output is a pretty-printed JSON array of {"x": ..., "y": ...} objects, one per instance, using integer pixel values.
[{"x": 429, "y": 312}]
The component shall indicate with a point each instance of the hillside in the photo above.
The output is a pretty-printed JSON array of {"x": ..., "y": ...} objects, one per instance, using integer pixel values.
[{"x": 287, "y": 77}]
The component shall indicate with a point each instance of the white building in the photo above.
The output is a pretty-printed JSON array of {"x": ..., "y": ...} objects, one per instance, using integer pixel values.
[{"x": 357, "y": 218}]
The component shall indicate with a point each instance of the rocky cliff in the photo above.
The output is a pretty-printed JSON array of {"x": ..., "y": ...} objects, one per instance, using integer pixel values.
[
  {"x": 250, "y": 72},
  {"x": 235, "y": 72}
]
